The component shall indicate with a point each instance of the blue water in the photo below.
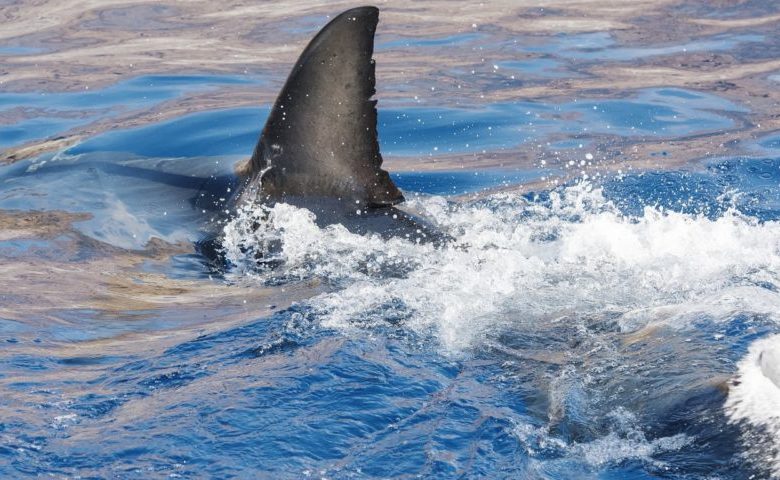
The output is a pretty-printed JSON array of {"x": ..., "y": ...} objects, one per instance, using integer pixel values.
[
  {"x": 602, "y": 46},
  {"x": 18, "y": 50},
  {"x": 749, "y": 185},
  {"x": 459, "y": 39},
  {"x": 462, "y": 182},
  {"x": 404, "y": 131},
  {"x": 537, "y": 67},
  {"x": 544, "y": 382},
  {"x": 55, "y": 113}
]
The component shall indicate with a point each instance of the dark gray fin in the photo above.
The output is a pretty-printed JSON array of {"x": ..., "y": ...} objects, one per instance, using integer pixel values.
[{"x": 320, "y": 139}]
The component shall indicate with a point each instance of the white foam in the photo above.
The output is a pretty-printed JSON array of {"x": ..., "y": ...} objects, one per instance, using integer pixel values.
[
  {"x": 769, "y": 362},
  {"x": 515, "y": 260},
  {"x": 754, "y": 401},
  {"x": 625, "y": 441}
]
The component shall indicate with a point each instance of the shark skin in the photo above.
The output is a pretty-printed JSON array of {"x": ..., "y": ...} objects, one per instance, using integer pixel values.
[{"x": 320, "y": 139}]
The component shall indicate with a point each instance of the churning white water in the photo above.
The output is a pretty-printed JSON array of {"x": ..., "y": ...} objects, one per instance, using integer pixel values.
[
  {"x": 517, "y": 262},
  {"x": 515, "y": 259},
  {"x": 754, "y": 401}
]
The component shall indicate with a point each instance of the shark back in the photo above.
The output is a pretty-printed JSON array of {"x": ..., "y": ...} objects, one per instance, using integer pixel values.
[{"x": 320, "y": 139}]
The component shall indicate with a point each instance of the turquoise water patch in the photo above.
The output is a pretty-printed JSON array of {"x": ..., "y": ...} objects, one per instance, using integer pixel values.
[{"x": 18, "y": 50}]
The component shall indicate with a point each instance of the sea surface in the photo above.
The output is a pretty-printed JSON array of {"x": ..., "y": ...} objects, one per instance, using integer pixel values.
[{"x": 608, "y": 306}]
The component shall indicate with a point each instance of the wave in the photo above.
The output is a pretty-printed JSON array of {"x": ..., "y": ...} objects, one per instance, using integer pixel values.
[{"x": 518, "y": 259}]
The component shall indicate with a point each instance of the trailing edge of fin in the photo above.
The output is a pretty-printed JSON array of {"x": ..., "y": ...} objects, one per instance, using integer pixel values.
[{"x": 320, "y": 139}]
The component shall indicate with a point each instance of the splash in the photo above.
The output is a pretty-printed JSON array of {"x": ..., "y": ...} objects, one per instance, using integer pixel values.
[
  {"x": 517, "y": 259},
  {"x": 625, "y": 442},
  {"x": 754, "y": 402}
]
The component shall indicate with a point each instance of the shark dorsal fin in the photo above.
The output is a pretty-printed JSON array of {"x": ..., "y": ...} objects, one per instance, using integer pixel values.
[{"x": 320, "y": 139}]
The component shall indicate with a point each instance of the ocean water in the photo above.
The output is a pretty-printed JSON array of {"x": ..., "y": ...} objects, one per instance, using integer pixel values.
[{"x": 588, "y": 319}]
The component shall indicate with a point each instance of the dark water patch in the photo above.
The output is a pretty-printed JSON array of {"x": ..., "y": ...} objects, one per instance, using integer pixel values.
[
  {"x": 234, "y": 336},
  {"x": 755, "y": 182},
  {"x": 174, "y": 377},
  {"x": 461, "y": 182},
  {"x": 277, "y": 346},
  {"x": 675, "y": 390},
  {"x": 93, "y": 405},
  {"x": 746, "y": 328},
  {"x": 89, "y": 360},
  {"x": 414, "y": 131},
  {"x": 336, "y": 406}
]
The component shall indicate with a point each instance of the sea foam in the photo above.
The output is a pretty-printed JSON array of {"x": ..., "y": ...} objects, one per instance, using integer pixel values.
[
  {"x": 754, "y": 402},
  {"x": 517, "y": 259}
]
